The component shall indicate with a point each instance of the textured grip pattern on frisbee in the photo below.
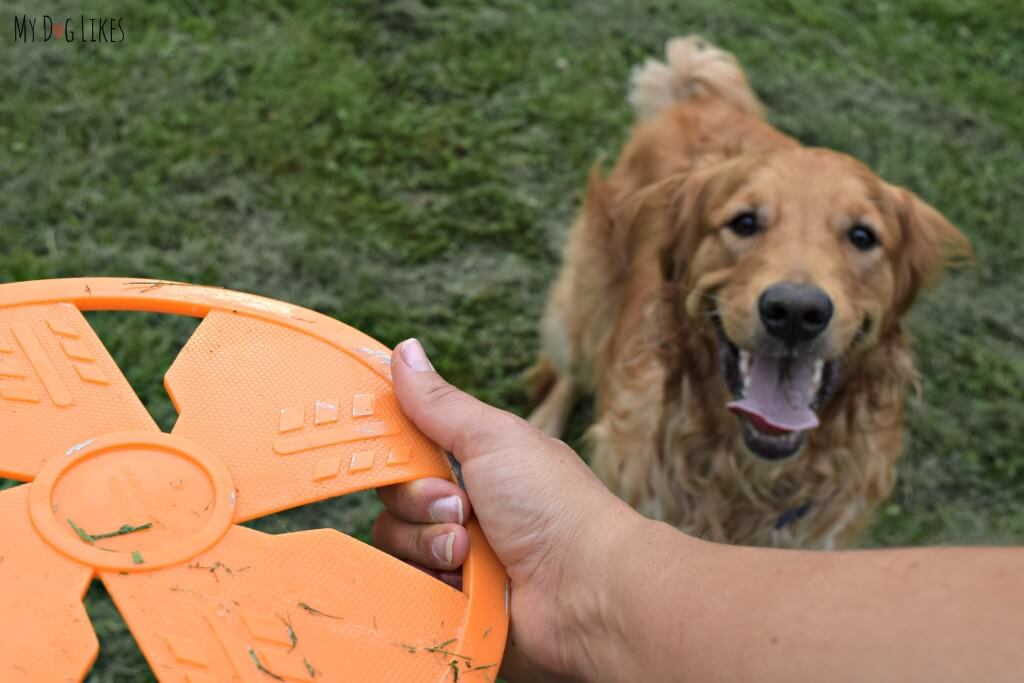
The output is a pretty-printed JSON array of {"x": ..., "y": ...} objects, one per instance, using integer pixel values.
[
  {"x": 58, "y": 387},
  {"x": 291, "y": 422}
]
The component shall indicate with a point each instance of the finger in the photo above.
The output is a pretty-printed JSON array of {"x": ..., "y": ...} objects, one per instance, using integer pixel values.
[
  {"x": 437, "y": 546},
  {"x": 452, "y": 418},
  {"x": 426, "y": 501}
]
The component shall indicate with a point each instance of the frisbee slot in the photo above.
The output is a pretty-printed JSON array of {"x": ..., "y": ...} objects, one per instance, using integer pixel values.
[
  {"x": 111, "y": 629},
  {"x": 144, "y": 345},
  {"x": 352, "y": 514}
]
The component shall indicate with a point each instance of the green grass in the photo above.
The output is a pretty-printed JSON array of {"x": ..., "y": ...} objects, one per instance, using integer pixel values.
[{"x": 410, "y": 167}]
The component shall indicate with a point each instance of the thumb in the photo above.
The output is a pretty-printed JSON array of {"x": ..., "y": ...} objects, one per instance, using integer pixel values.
[{"x": 457, "y": 422}]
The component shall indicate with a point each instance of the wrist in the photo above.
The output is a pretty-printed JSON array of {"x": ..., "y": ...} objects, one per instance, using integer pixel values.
[
  {"x": 635, "y": 597},
  {"x": 597, "y": 594}
]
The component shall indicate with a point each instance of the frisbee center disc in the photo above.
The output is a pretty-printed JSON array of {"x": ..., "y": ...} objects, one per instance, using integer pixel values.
[{"x": 133, "y": 501}]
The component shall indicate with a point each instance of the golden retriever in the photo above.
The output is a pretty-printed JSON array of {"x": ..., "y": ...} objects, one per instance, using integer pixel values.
[{"x": 734, "y": 299}]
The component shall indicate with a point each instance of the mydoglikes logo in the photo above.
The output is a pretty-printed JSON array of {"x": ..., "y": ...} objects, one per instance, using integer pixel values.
[{"x": 80, "y": 29}]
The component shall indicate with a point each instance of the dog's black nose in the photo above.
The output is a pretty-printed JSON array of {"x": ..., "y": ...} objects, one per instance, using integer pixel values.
[{"x": 794, "y": 312}]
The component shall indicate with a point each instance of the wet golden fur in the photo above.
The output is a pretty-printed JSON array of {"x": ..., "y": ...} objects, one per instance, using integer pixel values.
[{"x": 648, "y": 262}]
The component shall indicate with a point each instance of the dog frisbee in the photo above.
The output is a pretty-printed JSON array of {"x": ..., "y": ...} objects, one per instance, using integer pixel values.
[{"x": 278, "y": 406}]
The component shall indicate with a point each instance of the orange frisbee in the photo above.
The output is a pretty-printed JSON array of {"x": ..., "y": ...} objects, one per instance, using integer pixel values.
[{"x": 278, "y": 406}]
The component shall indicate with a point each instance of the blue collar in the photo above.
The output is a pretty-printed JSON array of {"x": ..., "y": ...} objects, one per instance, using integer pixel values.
[{"x": 791, "y": 515}]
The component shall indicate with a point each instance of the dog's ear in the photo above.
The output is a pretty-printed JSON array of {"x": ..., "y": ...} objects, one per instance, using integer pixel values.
[
  {"x": 604, "y": 224},
  {"x": 930, "y": 244},
  {"x": 618, "y": 219},
  {"x": 689, "y": 198}
]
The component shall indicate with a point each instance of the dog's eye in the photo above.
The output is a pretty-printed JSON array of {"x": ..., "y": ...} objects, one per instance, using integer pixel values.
[
  {"x": 744, "y": 224},
  {"x": 862, "y": 237}
]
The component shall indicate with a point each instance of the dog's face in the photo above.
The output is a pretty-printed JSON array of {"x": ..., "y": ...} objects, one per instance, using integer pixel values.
[{"x": 800, "y": 259}]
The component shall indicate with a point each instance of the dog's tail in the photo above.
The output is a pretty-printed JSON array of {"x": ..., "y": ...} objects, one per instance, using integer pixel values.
[{"x": 695, "y": 69}]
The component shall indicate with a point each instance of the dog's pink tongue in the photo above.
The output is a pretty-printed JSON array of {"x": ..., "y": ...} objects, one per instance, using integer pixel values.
[{"x": 780, "y": 401}]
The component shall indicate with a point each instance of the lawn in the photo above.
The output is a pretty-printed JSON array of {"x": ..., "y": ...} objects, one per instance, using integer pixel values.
[{"x": 410, "y": 168}]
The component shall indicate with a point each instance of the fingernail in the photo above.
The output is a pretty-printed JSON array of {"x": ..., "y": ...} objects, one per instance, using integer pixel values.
[
  {"x": 443, "y": 546},
  {"x": 414, "y": 356},
  {"x": 447, "y": 510}
]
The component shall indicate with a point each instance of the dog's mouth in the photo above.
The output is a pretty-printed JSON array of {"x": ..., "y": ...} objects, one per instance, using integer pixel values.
[{"x": 776, "y": 398}]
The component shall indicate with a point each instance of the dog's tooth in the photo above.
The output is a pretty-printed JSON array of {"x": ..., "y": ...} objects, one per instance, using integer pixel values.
[
  {"x": 745, "y": 370},
  {"x": 816, "y": 378}
]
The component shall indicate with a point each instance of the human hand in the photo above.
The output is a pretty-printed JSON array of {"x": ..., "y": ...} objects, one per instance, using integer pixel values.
[{"x": 548, "y": 518}]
